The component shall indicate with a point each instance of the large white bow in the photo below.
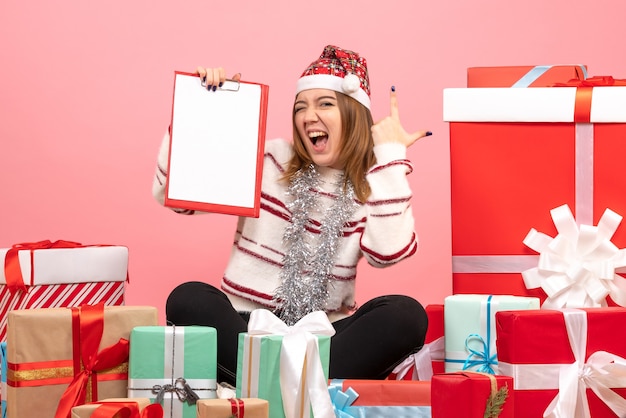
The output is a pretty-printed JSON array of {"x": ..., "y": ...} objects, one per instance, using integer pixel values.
[
  {"x": 601, "y": 372},
  {"x": 421, "y": 363},
  {"x": 577, "y": 267},
  {"x": 302, "y": 382}
]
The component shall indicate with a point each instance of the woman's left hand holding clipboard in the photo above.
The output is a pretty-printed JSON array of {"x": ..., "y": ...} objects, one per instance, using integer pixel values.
[{"x": 212, "y": 78}]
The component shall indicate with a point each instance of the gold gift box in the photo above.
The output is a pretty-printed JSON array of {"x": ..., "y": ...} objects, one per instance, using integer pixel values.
[
  {"x": 40, "y": 356},
  {"x": 223, "y": 408}
]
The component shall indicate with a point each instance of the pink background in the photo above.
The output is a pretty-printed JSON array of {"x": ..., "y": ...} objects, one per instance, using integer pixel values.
[{"x": 86, "y": 89}]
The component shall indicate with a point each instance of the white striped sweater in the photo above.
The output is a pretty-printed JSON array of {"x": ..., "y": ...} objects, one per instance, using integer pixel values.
[{"x": 381, "y": 230}]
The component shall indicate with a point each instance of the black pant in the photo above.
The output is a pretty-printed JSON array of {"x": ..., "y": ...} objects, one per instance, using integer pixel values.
[{"x": 367, "y": 345}]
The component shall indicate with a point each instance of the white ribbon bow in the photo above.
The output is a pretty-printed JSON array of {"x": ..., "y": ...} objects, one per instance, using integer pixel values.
[
  {"x": 422, "y": 361},
  {"x": 601, "y": 372},
  {"x": 302, "y": 381},
  {"x": 577, "y": 268}
]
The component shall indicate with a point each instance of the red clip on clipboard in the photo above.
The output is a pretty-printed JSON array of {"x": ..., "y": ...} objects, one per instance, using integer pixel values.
[{"x": 217, "y": 145}]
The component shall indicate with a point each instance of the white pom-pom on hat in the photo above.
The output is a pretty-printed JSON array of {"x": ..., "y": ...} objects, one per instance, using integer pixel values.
[{"x": 351, "y": 83}]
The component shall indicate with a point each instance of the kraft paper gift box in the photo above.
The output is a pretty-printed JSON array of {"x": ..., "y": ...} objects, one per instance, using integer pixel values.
[
  {"x": 473, "y": 395},
  {"x": 63, "y": 357},
  {"x": 516, "y": 154},
  {"x": 287, "y": 366},
  {"x": 233, "y": 408},
  {"x": 524, "y": 75},
  {"x": 174, "y": 366},
  {"x": 112, "y": 408},
  {"x": 50, "y": 274},
  {"x": 380, "y": 398},
  {"x": 470, "y": 329},
  {"x": 581, "y": 349},
  {"x": 429, "y": 360}
]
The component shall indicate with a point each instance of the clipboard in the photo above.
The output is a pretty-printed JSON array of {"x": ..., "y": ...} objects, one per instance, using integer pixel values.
[{"x": 217, "y": 146}]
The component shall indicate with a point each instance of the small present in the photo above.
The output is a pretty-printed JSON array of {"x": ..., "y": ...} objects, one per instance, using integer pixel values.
[
  {"x": 467, "y": 394},
  {"x": 58, "y": 358},
  {"x": 430, "y": 358},
  {"x": 517, "y": 153},
  {"x": 570, "y": 360},
  {"x": 470, "y": 329},
  {"x": 287, "y": 366},
  {"x": 233, "y": 408},
  {"x": 118, "y": 408},
  {"x": 380, "y": 398},
  {"x": 524, "y": 75},
  {"x": 173, "y": 366},
  {"x": 49, "y": 274}
]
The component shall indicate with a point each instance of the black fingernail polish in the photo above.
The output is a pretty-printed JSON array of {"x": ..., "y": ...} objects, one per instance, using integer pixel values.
[
  {"x": 221, "y": 84},
  {"x": 429, "y": 133},
  {"x": 393, "y": 88},
  {"x": 214, "y": 88},
  {"x": 204, "y": 79}
]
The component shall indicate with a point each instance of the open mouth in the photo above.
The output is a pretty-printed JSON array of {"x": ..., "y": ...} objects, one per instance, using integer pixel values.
[{"x": 318, "y": 139}]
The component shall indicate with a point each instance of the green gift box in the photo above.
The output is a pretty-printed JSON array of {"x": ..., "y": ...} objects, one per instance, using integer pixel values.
[
  {"x": 174, "y": 366},
  {"x": 259, "y": 367},
  {"x": 470, "y": 329}
]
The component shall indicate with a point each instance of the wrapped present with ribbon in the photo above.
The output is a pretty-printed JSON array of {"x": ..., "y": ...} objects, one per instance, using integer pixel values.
[
  {"x": 233, "y": 408},
  {"x": 58, "y": 358},
  {"x": 524, "y": 75},
  {"x": 470, "y": 329},
  {"x": 119, "y": 408},
  {"x": 566, "y": 363},
  {"x": 362, "y": 398},
  {"x": 430, "y": 358},
  {"x": 49, "y": 274},
  {"x": 517, "y": 153},
  {"x": 174, "y": 366},
  {"x": 286, "y": 365},
  {"x": 467, "y": 394}
]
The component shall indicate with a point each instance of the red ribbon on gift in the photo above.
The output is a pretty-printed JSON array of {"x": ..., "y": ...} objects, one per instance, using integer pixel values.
[
  {"x": 127, "y": 410},
  {"x": 13, "y": 270},
  {"x": 236, "y": 405},
  {"x": 584, "y": 90},
  {"x": 87, "y": 330}
]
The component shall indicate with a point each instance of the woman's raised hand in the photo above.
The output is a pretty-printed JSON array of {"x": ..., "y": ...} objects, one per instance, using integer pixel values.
[
  {"x": 390, "y": 129},
  {"x": 212, "y": 78}
]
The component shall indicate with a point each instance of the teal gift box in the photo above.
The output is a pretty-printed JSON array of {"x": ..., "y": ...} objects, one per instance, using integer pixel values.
[
  {"x": 259, "y": 367},
  {"x": 173, "y": 365},
  {"x": 470, "y": 329},
  {"x": 3, "y": 377}
]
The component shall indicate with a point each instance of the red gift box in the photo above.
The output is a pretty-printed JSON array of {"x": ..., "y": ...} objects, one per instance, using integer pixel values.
[
  {"x": 517, "y": 153},
  {"x": 57, "y": 274},
  {"x": 381, "y": 398},
  {"x": 430, "y": 359},
  {"x": 524, "y": 75},
  {"x": 539, "y": 350},
  {"x": 467, "y": 394}
]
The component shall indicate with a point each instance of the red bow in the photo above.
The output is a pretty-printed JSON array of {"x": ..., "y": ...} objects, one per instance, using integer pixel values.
[
  {"x": 584, "y": 89},
  {"x": 127, "y": 410},
  {"x": 87, "y": 330},
  {"x": 12, "y": 268}
]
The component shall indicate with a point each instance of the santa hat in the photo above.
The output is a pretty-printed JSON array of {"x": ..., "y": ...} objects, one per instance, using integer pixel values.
[{"x": 339, "y": 70}]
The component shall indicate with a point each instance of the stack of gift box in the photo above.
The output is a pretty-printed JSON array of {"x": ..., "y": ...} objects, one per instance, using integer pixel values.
[{"x": 532, "y": 329}]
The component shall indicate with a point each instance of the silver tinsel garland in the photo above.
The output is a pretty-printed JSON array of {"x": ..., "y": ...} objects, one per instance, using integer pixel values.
[{"x": 305, "y": 274}]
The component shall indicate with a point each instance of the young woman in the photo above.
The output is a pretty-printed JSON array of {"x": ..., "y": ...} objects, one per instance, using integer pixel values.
[{"x": 337, "y": 193}]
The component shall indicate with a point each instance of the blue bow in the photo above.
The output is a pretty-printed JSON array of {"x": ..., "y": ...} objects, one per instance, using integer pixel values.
[{"x": 342, "y": 400}]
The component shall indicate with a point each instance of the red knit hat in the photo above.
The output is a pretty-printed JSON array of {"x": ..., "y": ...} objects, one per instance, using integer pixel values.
[{"x": 339, "y": 70}]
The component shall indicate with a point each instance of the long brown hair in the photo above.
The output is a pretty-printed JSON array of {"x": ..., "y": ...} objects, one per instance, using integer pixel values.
[{"x": 357, "y": 146}]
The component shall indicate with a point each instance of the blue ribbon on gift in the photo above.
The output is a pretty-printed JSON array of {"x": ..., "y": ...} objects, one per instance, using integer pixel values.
[
  {"x": 342, "y": 400},
  {"x": 483, "y": 360},
  {"x": 536, "y": 72}
]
